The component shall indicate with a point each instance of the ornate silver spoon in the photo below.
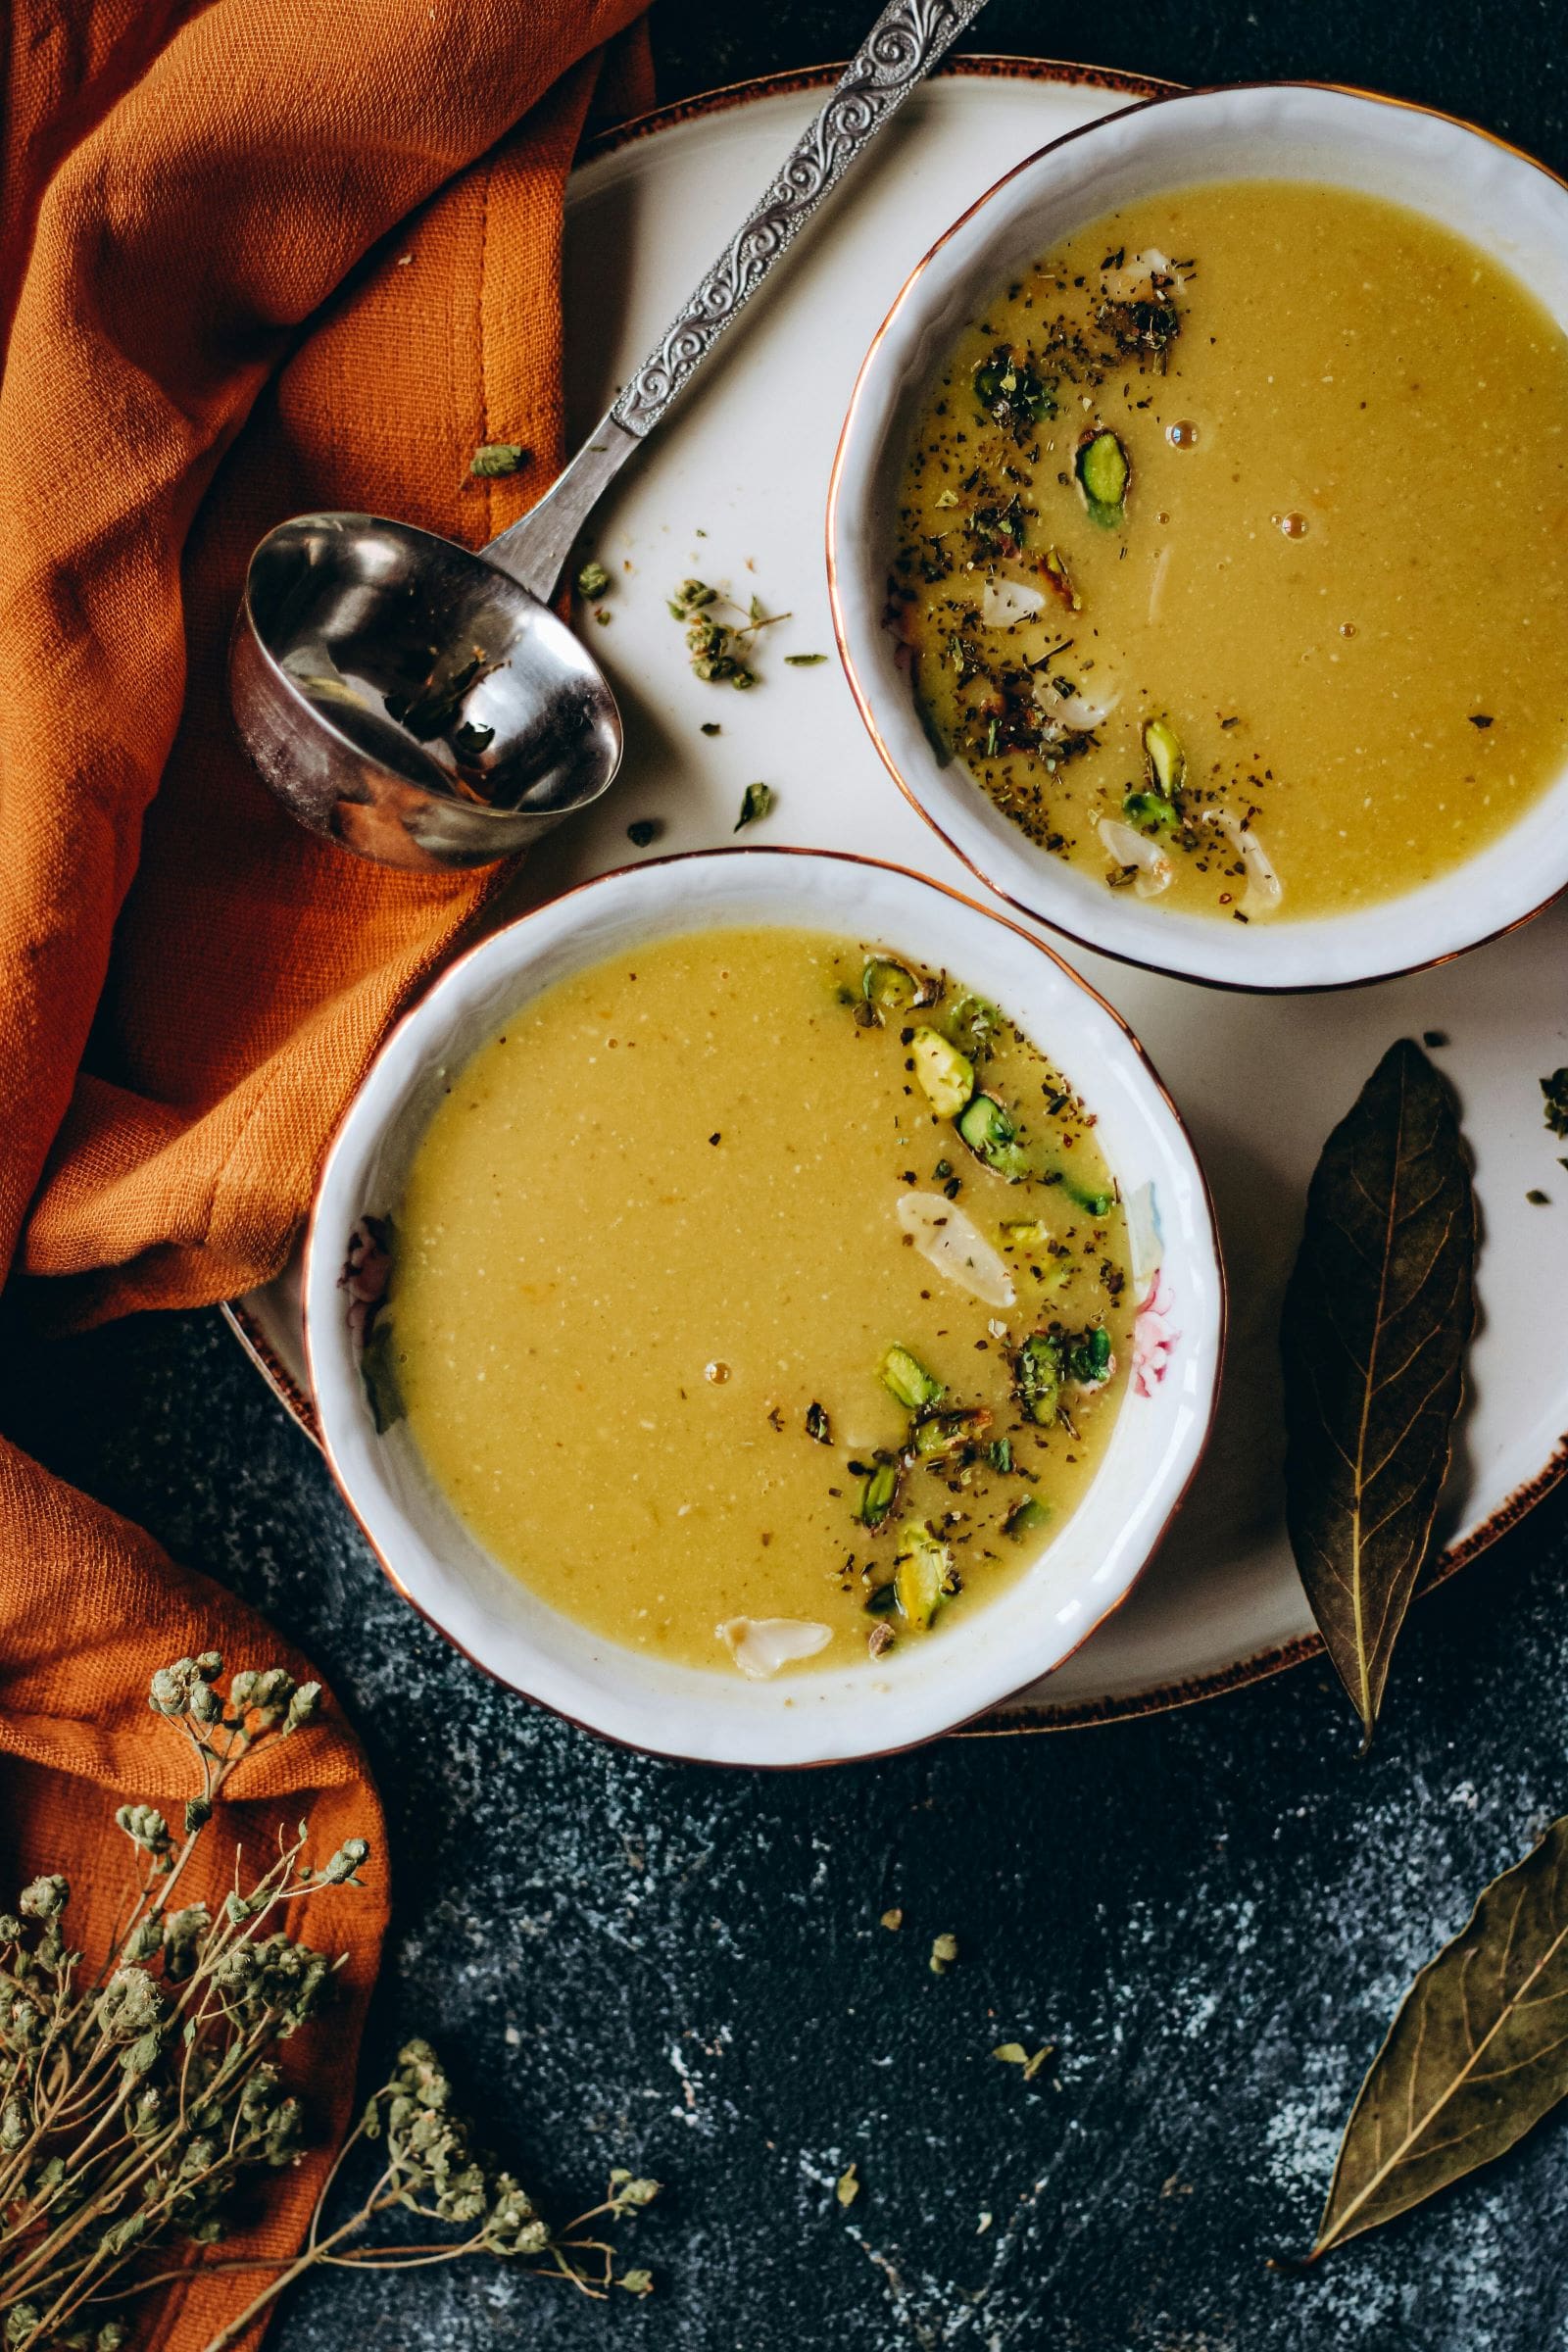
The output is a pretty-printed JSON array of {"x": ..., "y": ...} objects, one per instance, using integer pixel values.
[{"x": 423, "y": 705}]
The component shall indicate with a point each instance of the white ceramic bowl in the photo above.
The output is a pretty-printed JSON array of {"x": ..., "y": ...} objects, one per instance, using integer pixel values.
[
  {"x": 1511, "y": 207},
  {"x": 923, "y": 1687}
]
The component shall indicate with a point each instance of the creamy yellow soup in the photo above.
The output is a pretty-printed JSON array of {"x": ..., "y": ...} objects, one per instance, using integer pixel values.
[
  {"x": 760, "y": 1297},
  {"x": 1234, "y": 549}
]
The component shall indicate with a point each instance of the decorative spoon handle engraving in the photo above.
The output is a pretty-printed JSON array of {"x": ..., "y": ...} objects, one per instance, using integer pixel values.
[
  {"x": 905, "y": 44},
  {"x": 907, "y": 40}
]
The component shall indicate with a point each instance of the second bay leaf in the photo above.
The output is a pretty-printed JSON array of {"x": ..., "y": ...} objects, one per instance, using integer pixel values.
[
  {"x": 1378, "y": 1315},
  {"x": 1475, "y": 2055}
]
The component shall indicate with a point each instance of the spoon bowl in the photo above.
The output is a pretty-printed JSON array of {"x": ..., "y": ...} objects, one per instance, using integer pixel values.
[
  {"x": 423, "y": 704},
  {"x": 409, "y": 699}
]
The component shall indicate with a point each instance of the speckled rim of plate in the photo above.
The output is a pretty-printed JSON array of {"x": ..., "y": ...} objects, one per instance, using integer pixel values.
[{"x": 1160, "y": 1698}]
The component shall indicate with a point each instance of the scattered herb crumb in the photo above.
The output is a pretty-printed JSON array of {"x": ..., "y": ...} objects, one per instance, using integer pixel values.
[
  {"x": 893, "y": 1919},
  {"x": 1434, "y": 1037},
  {"x": 715, "y": 646},
  {"x": 1480, "y": 718},
  {"x": 593, "y": 579},
  {"x": 636, "y": 2282},
  {"x": 847, "y": 2187},
  {"x": 1555, "y": 1105},
  {"x": 1014, "y": 2053},
  {"x": 983, "y": 2224},
  {"x": 756, "y": 802},
  {"x": 497, "y": 458},
  {"x": 1538, "y": 1198},
  {"x": 804, "y": 660},
  {"x": 644, "y": 830},
  {"x": 817, "y": 1424},
  {"x": 944, "y": 1952},
  {"x": 710, "y": 726},
  {"x": 602, "y": 617}
]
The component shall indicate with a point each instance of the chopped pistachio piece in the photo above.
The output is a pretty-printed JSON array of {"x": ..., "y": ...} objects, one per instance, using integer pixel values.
[
  {"x": 1168, "y": 762},
  {"x": 890, "y": 987},
  {"x": 879, "y": 1491},
  {"x": 945, "y": 1075},
  {"x": 923, "y": 1575},
  {"x": 1151, "y": 811},
  {"x": 941, "y": 1434},
  {"x": 909, "y": 1379},
  {"x": 1104, "y": 473},
  {"x": 992, "y": 1137},
  {"x": 1037, "y": 1376},
  {"x": 1025, "y": 1518}
]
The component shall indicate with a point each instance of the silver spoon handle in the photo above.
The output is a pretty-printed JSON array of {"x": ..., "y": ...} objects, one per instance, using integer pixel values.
[{"x": 898, "y": 53}]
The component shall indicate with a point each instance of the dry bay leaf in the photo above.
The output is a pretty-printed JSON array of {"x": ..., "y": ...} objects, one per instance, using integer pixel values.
[
  {"x": 1475, "y": 2055},
  {"x": 1377, "y": 1318}
]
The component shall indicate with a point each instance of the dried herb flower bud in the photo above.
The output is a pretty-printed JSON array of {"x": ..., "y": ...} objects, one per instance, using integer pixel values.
[
  {"x": 14, "y": 2125},
  {"x": 692, "y": 595},
  {"x": 242, "y": 1688},
  {"x": 345, "y": 1862},
  {"x": 198, "y": 1813},
  {"x": 637, "y": 2192},
  {"x": 273, "y": 1689},
  {"x": 205, "y": 1703},
  {"x": 304, "y": 1706},
  {"x": 132, "y": 2004},
  {"x": 210, "y": 1664},
  {"x": 45, "y": 1898},
  {"x": 145, "y": 1826},
  {"x": 593, "y": 579},
  {"x": 10, "y": 1926},
  {"x": 636, "y": 2282},
  {"x": 167, "y": 1696},
  {"x": 145, "y": 1938}
]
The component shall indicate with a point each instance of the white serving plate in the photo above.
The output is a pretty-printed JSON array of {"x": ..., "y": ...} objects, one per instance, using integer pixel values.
[{"x": 1260, "y": 1080}]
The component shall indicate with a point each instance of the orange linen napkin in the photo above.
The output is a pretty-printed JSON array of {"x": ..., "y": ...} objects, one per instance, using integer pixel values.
[{"x": 253, "y": 258}]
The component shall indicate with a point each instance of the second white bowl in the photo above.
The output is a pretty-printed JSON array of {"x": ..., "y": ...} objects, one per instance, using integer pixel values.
[{"x": 1499, "y": 199}]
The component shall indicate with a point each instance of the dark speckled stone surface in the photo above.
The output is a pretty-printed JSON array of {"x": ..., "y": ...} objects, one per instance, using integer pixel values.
[{"x": 1210, "y": 1914}]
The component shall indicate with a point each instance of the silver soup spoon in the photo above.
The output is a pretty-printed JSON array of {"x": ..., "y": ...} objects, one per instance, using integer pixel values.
[{"x": 423, "y": 705}]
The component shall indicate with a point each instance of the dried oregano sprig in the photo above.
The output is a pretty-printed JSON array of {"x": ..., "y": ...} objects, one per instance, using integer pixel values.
[
  {"x": 131, "y": 2102},
  {"x": 430, "y": 2168}
]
